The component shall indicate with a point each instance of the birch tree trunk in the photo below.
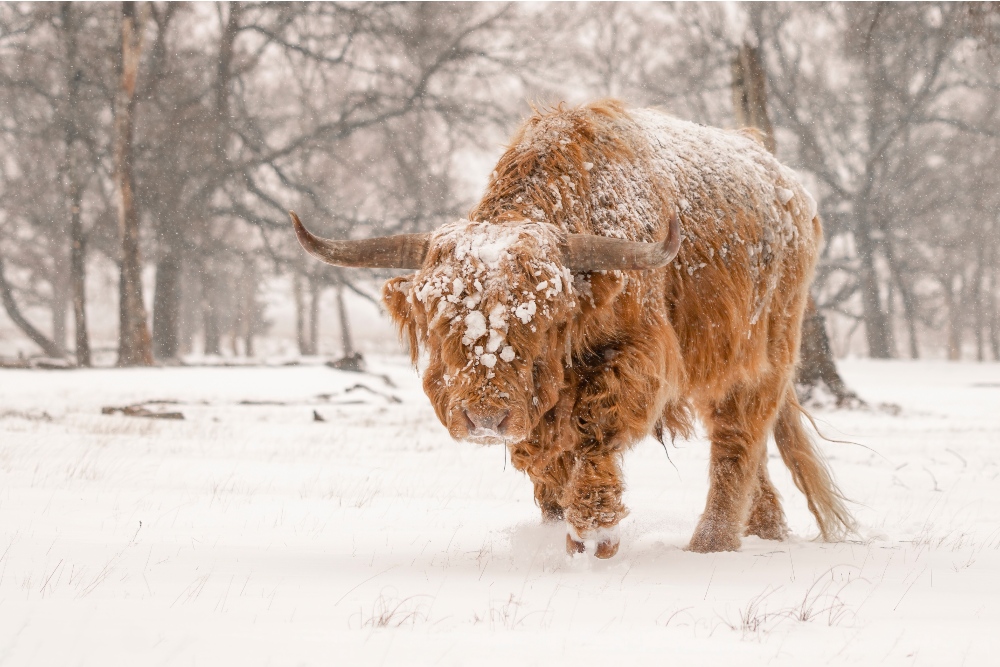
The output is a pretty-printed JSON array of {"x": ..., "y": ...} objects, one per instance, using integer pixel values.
[{"x": 134, "y": 341}]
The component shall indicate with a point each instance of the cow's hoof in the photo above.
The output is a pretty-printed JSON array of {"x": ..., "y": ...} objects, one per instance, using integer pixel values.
[
  {"x": 574, "y": 546},
  {"x": 607, "y": 549},
  {"x": 603, "y": 541},
  {"x": 708, "y": 541},
  {"x": 767, "y": 520},
  {"x": 777, "y": 531}
]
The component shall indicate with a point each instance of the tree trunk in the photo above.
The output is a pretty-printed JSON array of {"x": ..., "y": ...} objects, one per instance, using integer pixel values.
[
  {"x": 314, "y": 296},
  {"x": 77, "y": 240},
  {"x": 213, "y": 337},
  {"x": 995, "y": 324},
  {"x": 248, "y": 313},
  {"x": 877, "y": 89},
  {"x": 209, "y": 311},
  {"x": 10, "y": 305},
  {"x": 954, "y": 326},
  {"x": 60, "y": 299},
  {"x": 255, "y": 322},
  {"x": 992, "y": 297},
  {"x": 909, "y": 308},
  {"x": 877, "y": 333},
  {"x": 223, "y": 74},
  {"x": 750, "y": 94},
  {"x": 134, "y": 341},
  {"x": 346, "y": 343},
  {"x": 167, "y": 306},
  {"x": 977, "y": 305},
  {"x": 816, "y": 363},
  {"x": 189, "y": 313},
  {"x": 78, "y": 279},
  {"x": 301, "y": 316},
  {"x": 248, "y": 348},
  {"x": 750, "y": 104}
]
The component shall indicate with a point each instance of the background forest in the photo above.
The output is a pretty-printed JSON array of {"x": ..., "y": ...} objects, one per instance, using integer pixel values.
[{"x": 149, "y": 153}]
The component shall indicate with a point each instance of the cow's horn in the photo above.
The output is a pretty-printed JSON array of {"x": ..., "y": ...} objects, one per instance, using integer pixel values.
[
  {"x": 586, "y": 252},
  {"x": 402, "y": 251}
]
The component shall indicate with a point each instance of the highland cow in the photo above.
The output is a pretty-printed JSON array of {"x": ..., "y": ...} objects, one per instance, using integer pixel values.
[{"x": 625, "y": 272}]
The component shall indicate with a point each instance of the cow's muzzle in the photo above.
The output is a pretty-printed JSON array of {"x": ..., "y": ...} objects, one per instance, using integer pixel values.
[{"x": 487, "y": 425}]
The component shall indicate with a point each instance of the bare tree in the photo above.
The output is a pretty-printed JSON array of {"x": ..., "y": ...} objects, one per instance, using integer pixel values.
[
  {"x": 74, "y": 181},
  {"x": 134, "y": 341},
  {"x": 365, "y": 117},
  {"x": 865, "y": 136}
]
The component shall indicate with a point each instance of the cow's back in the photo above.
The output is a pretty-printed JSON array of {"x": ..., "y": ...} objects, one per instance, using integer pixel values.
[{"x": 736, "y": 290}]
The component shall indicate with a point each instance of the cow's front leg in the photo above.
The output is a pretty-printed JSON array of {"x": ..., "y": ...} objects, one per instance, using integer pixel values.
[
  {"x": 620, "y": 391},
  {"x": 592, "y": 498},
  {"x": 548, "y": 469}
]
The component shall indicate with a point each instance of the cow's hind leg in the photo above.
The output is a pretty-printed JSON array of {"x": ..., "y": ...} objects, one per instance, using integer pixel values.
[
  {"x": 738, "y": 426},
  {"x": 767, "y": 519}
]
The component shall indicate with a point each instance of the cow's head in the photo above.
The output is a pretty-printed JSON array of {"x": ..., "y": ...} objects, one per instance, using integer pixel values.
[{"x": 489, "y": 305}]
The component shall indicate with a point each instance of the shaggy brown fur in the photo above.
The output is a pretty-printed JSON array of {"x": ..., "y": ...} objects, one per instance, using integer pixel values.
[{"x": 605, "y": 358}]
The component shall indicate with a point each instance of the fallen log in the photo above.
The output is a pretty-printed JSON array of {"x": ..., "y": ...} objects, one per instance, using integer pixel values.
[{"x": 139, "y": 410}]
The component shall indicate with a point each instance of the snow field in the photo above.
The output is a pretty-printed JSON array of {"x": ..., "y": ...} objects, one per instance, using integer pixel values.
[{"x": 250, "y": 534}]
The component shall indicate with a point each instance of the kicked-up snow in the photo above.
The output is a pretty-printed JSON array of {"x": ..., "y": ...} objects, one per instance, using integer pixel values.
[{"x": 251, "y": 534}]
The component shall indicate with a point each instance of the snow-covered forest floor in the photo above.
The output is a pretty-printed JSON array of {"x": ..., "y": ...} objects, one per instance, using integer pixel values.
[{"x": 250, "y": 534}]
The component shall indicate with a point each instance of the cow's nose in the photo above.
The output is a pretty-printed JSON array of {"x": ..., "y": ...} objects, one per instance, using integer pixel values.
[{"x": 493, "y": 421}]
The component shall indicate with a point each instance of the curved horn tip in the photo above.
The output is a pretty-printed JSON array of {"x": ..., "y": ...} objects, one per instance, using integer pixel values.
[
  {"x": 672, "y": 244},
  {"x": 304, "y": 235}
]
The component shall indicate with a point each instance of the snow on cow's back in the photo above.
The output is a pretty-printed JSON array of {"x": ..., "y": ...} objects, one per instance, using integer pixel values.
[
  {"x": 734, "y": 197},
  {"x": 615, "y": 171},
  {"x": 700, "y": 164}
]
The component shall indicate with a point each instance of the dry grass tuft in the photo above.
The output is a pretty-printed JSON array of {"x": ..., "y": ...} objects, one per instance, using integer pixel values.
[{"x": 388, "y": 611}]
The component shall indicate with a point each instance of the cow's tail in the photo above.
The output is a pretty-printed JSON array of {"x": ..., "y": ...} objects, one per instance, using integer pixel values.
[{"x": 810, "y": 471}]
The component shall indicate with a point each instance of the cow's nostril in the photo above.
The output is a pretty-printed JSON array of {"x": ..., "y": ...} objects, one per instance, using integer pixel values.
[
  {"x": 469, "y": 422},
  {"x": 504, "y": 422},
  {"x": 496, "y": 422}
]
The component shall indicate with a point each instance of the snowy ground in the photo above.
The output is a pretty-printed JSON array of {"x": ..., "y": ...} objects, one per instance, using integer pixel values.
[{"x": 250, "y": 534}]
